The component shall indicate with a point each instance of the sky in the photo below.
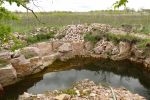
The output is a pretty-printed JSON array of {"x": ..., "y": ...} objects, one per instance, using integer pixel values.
[{"x": 77, "y": 5}]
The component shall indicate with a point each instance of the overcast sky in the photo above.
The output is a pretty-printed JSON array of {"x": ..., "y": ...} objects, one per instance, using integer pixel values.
[{"x": 78, "y": 5}]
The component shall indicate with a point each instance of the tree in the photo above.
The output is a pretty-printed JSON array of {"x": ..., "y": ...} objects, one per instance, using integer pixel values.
[{"x": 120, "y": 3}]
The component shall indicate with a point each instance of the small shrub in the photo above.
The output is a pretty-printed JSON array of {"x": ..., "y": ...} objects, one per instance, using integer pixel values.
[
  {"x": 92, "y": 38},
  {"x": 18, "y": 45},
  {"x": 118, "y": 38},
  {"x": 39, "y": 37},
  {"x": 69, "y": 91}
]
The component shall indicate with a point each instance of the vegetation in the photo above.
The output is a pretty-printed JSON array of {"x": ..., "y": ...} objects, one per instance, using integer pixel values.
[
  {"x": 39, "y": 37},
  {"x": 27, "y": 22},
  {"x": 69, "y": 91}
]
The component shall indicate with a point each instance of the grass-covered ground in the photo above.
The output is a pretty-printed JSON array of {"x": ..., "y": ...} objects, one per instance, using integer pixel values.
[{"x": 27, "y": 21}]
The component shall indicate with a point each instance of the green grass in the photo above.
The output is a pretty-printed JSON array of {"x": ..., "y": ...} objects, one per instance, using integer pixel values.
[
  {"x": 69, "y": 91},
  {"x": 39, "y": 37},
  {"x": 92, "y": 38},
  {"x": 117, "y": 38},
  {"x": 58, "y": 19}
]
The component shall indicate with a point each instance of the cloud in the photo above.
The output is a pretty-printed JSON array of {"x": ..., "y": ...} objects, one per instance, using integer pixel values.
[{"x": 77, "y": 5}]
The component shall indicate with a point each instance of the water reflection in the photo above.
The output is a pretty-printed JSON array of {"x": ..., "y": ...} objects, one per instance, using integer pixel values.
[{"x": 117, "y": 74}]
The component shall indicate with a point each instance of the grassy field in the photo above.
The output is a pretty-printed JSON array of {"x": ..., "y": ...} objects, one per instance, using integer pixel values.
[{"x": 27, "y": 21}]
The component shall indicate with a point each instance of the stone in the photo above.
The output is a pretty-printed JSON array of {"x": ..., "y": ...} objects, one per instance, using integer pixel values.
[
  {"x": 88, "y": 46},
  {"x": 77, "y": 48},
  {"x": 22, "y": 66},
  {"x": 45, "y": 48},
  {"x": 124, "y": 48},
  {"x": 8, "y": 75},
  {"x": 98, "y": 49},
  {"x": 1, "y": 89},
  {"x": 30, "y": 52},
  {"x": 147, "y": 62},
  {"x": 63, "y": 97},
  {"x": 56, "y": 44},
  {"x": 49, "y": 59},
  {"x": 124, "y": 51},
  {"x": 5, "y": 55},
  {"x": 16, "y": 53},
  {"x": 36, "y": 63},
  {"x": 66, "y": 47}
]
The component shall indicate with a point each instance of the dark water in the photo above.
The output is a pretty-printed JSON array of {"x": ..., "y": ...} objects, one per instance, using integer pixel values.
[{"x": 62, "y": 75}]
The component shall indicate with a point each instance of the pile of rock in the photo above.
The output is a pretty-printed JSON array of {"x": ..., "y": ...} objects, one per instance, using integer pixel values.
[
  {"x": 85, "y": 90},
  {"x": 22, "y": 37}
]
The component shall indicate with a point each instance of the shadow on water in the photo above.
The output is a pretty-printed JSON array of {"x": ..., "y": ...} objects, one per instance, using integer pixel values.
[{"x": 62, "y": 75}]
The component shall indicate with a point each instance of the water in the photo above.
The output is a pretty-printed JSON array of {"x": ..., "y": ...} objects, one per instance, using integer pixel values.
[{"x": 62, "y": 75}]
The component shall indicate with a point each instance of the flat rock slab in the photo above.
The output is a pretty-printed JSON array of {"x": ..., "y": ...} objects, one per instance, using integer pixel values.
[{"x": 7, "y": 75}]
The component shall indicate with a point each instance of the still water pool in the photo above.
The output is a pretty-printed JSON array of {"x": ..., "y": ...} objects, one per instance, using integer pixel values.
[{"x": 61, "y": 75}]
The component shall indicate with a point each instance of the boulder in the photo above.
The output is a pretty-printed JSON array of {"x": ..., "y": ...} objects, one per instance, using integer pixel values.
[
  {"x": 35, "y": 64},
  {"x": 7, "y": 75},
  {"x": 147, "y": 62},
  {"x": 49, "y": 59},
  {"x": 25, "y": 66},
  {"x": 63, "y": 97},
  {"x": 124, "y": 51},
  {"x": 56, "y": 44},
  {"x": 5, "y": 55},
  {"x": 1, "y": 89},
  {"x": 78, "y": 48},
  {"x": 88, "y": 45},
  {"x": 64, "y": 48},
  {"x": 45, "y": 48},
  {"x": 30, "y": 52},
  {"x": 22, "y": 66}
]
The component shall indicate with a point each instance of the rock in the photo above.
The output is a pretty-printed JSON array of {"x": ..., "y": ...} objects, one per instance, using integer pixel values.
[
  {"x": 56, "y": 44},
  {"x": 1, "y": 89},
  {"x": 124, "y": 48},
  {"x": 22, "y": 66},
  {"x": 36, "y": 64},
  {"x": 66, "y": 47},
  {"x": 63, "y": 97},
  {"x": 98, "y": 49},
  {"x": 78, "y": 48},
  {"x": 25, "y": 96},
  {"x": 30, "y": 52},
  {"x": 124, "y": 51},
  {"x": 49, "y": 59},
  {"x": 147, "y": 62},
  {"x": 8, "y": 75},
  {"x": 5, "y": 55},
  {"x": 16, "y": 53},
  {"x": 138, "y": 53},
  {"x": 45, "y": 48},
  {"x": 88, "y": 46}
]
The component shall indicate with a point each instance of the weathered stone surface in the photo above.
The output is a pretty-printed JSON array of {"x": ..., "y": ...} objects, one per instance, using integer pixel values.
[
  {"x": 88, "y": 45},
  {"x": 1, "y": 89},
  {"x": 147, "y": 62},
  {"x": 7, "y": 75},
  {"x": 44, "y": 47},
  {"x": 78, "y": 48},
  {"x": 63, "y": 97},
  {"x": 49, "y": 59},
  {"x": 56, "y": 44},
  {"x": 124, "y": 51},
  {"x": 5, "y": 55},
  {"x": 30, "y": 52},
  {"x": 36, "y": 63},
  {"x": 66, "y": 47},
  {"x": 22, "y": 66}
]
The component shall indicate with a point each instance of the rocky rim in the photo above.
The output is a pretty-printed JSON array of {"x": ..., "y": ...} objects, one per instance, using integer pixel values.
[{"x": 68, "y": 43}]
